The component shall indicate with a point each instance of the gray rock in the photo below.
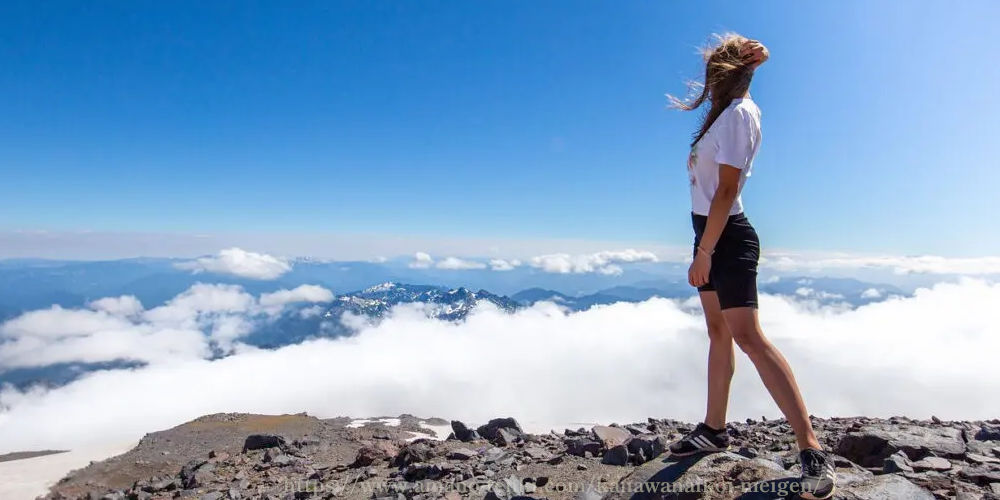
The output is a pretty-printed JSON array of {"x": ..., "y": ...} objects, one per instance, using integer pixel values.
[
  {"x": 462, "y": 432},
  {"x": 262, "y": 441},
  {"x": 536, "y": 453},
  {"x": 617, "y": 455},
  {"x": 581, "y": 446},
  {"x": 931, "y": 463},
  {"x": 505, "y": 489},
  {"x": 871, "y": 445},
  {"x": 368, "y": 455},
  {"x": 462, "y": 454},
  {"x": 981, "y": 459},
  {"x": 980, "y": 475},
  {"x": 489, "y": 430},
  {"x": 644, "y": 447},
  {"x": 215, "y": 495},
  {"x": 988, "y": 433},
  {"x": 189, "y": 475},
  {"x": 422, "y": 471},
  {"x": 887, "y": 487},
  {"x": 611, "y": 436},
  {"x": 507, "y": 437},
  {"x": 493, "y": 455},
  {"x": 417, "y": 451},
  {"x": 897, "y": 462},
  {"x": 691, "y": 474}
]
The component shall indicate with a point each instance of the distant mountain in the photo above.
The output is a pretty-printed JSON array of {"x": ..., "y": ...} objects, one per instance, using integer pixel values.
[
  {"x": 605, "y": 296},
  {"x": 300, "y": 323},
  {"x": 449, "y": 304}
]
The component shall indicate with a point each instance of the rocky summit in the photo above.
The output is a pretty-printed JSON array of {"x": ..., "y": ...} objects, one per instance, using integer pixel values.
[{"x": 240, "y": 456}]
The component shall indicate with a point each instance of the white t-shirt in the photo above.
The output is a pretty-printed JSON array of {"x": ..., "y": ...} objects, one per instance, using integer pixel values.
[{"x": 733, "y": 139}]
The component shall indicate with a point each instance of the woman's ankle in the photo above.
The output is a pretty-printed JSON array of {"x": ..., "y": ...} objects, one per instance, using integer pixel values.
[{"x": 810, "y": 444}]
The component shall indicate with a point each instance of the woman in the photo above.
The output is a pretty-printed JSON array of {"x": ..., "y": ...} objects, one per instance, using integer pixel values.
[{"x": 726, "y": 250}]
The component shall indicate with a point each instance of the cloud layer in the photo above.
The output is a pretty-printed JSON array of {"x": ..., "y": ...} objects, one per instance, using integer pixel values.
[
  {"x": 924, "y": 264},
  {"x": 601, "y": 262},
  {"x": 239, "y": 262},
  {"x": 189, "y": 326},
  {"x": 604, "y": 262},
  {"x": 932, "y": 353}
]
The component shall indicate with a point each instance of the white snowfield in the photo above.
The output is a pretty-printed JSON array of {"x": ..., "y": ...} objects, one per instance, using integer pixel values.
[{"x": 28, "y": 478}]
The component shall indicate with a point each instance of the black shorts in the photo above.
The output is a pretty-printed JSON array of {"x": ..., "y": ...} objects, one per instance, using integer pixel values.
[{"x": 734, "y": 263}]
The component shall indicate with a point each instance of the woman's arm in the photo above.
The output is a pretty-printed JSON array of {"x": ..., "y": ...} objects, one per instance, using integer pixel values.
[{"x": 718, "y": 214}]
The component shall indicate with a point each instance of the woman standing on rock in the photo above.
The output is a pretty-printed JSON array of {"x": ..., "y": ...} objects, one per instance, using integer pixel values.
[{"x": 726, "y": 250}]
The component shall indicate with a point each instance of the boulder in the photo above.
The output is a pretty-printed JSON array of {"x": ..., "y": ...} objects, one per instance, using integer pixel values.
[
  {"x": 611, "y": 436},
  {"x": 695, "y": 477},
  {"x": 980, "y": 475},
  {"x": 617, "y": 455},
  {"x": 507, "y": 437},
  {"x": 715, "y": 476},
  {"x": 581, "y": 446},
  {"x": 897, "y": 462},
  {"x": 187, "y": 474},
  {"x": 423, "y": 471},
  {"x": 489, "y": 430},
  {"x": 644, "y": 447},
  {"x": 871, "y": 445},
  {"x": 462, "y": 432},
  {"x": 988, "y": 433},
  {"x": 931, "y": 463},
  {"x": 462, "y": 454},
  {"x": 262, "y": 441},
  {"x": 886, "y": 487},
  {"x": 368, "y": 455},
  {"x": 417, "y": 451}
]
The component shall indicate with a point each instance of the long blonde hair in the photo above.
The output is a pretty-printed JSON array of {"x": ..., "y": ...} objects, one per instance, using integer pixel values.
[{"x": 727, "y": 76}]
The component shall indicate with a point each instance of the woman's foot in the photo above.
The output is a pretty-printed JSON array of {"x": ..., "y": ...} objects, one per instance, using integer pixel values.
[
  {"x": 703, "y": 439},
  {"x": 819, "y": 476}
]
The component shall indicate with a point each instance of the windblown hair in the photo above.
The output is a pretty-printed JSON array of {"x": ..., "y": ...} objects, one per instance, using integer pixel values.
[{"x": 727, "y": 76}]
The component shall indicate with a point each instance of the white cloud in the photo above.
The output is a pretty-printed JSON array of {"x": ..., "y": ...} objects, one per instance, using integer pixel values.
[
  {"x": 56, "y": 322},
  {"x": 926, "y": 264},
  {"x": 504, "y": 265},
  {"x": 817, "y": 294},
  {"x": 116, "y": 328},
  {"x": 871, "y": 293},
  {"x": 239, "y": 262},
  {"x": 600, "y": 262},
  {"x": 937, "y": 343},
  {"x": 302, "y": 293},
  {"x": 456, "y": 264},
  {"x": 421, "y": 260},
  {"x": 125, "y": 305}
]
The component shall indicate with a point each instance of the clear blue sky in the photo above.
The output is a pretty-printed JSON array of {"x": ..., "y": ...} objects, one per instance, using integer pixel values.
[{"x": 514, "y": 119}]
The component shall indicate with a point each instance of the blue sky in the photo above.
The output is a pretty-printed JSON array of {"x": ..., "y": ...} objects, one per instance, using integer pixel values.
[{"x": 487, "y": 120}]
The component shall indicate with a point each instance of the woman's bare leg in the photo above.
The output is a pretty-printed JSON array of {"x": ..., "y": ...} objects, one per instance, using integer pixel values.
[
  {"x": 773, "y": 370},
  {"x": 721, "y": 361}
]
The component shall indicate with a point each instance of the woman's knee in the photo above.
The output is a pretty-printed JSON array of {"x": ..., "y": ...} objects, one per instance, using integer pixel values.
[
  {"x": 717, "y": 328},
  {"x": 751, "y": 341}
]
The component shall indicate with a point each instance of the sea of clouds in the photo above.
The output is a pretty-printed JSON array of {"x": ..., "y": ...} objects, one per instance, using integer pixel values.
[{"x": 932, "y": 353}]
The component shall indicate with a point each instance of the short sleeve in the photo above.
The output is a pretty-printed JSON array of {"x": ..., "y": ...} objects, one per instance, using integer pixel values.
[{"x": 735, "y": 138}]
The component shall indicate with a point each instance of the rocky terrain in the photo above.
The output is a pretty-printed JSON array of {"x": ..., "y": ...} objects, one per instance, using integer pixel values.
[{"x": 239, "y": 456}]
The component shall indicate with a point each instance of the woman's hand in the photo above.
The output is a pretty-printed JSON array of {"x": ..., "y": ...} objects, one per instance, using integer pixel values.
[
  {"x": 754, "y": 53},
  {"x": 698, "y": 272}
]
